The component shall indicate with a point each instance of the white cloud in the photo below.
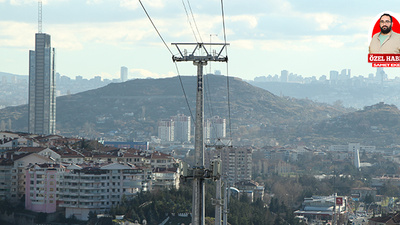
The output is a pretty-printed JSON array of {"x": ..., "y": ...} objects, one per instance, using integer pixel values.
[
  {"x": 22, "y": 2},
  {"x": 93, "y": 2},
  {"x": 16, "y": 34},
  {"x": 134, "y": 4},
  {"x": 75, "y": 36},
  {"x": 325, "y": 21},
  {"x": 285, "y": 45},
  {"x": 34, "y": 2},
  {"x": 143, "y": 73},
  {"x": 250, "y": 20},
  {"x": 243, "y": 44},
  {"x": 331, "y": 41}
]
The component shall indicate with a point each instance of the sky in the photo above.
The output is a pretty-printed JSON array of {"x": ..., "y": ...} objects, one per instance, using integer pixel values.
[{"x": 97, "y": 37}]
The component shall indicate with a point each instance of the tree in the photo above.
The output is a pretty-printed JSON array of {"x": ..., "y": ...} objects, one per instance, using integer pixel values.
[{"x": 369, "y": 199}]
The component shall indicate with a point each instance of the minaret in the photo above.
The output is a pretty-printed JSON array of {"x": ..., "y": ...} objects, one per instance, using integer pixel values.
[{"x": 355, "y": 147}]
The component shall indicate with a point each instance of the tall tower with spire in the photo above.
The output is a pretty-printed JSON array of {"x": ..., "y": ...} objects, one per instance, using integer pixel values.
[{"x": 42, "y": 99}]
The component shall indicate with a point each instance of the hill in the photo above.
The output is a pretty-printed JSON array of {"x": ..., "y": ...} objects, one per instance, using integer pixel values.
[
  {"x": 132, "y": 109},
  {"x": 378, "y": 124}
]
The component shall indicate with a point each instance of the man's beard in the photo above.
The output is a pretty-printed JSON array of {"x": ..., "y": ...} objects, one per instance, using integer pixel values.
[{"x": 386, "y": 29}]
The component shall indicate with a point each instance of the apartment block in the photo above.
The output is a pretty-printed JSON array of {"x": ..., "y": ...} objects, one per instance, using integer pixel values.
[
  {"x": 85, "y": 188},
  {"x": 237, "y": 162},
  {"x": 41, "y": 187}
]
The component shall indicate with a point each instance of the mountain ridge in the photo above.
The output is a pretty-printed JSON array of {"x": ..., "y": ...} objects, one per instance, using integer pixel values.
[{"x": 132, "y": 109}]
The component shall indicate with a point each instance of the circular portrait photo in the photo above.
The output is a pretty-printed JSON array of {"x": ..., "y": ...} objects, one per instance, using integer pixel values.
[{"x": 385, "y": 35}]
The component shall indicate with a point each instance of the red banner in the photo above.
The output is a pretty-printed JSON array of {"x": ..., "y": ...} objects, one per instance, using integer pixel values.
[
  {"x": 339, "y": 201},
  {"x": 384, "y": 60}
]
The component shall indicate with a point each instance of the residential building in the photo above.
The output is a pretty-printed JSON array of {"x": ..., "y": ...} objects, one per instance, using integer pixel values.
[
  {"x": 384, "y": 179},
  {"x": 11, "y": 143},
  {"x": 42, "y": 98},
  {"x": 351, "y": 147},
  {"x": 251, "y": 188},
  {"x": 161, "y": 160},
  {"x": 181, "y": 127},
  {"x": 165, "y": 178},
  {"x": 391, "y": 219},
  {"x": 6, "y": 166},
  {"x": 215, "y": 129},
  {"x": 166, "y": 130},
  {"x": 41, "y": 187},
  {"x": 85, "y": 188},
  {"x": 141, "y": 145},
  {"x": 237, "y": 163},
  {"x": 18, "y": 172}
]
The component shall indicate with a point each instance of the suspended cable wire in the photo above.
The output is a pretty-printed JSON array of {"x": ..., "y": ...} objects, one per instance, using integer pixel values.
[
  {"x": 184, "y": 93},
  {"x": 194, "y": 21},
  {"x": 223, "y": 21},
  {"x": 176, "y": 65},
  {"x": 188, "y": 19},
  {"x": 162, "y": 39},
  {"x": 227, "y": 71}
]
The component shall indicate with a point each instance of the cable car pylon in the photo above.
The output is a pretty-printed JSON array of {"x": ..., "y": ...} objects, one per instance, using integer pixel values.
[{"x": 200, "y": 56}]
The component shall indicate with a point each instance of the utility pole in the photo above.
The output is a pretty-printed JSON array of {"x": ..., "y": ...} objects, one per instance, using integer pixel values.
[
  {"x": 199, "y": 56},
  {"x": 226, "y": 200}
]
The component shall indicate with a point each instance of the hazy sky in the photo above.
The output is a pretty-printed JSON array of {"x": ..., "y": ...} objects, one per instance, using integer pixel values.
[{"x": 97, "y": 37}]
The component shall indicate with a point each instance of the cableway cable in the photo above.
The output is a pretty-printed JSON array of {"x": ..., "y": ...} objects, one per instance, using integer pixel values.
[
  {"x": 194, "y": 21},
  {"x": 190, "y": 23},
  {"x": 176, "y": 65},
  {"x": 227, "y": 71}
]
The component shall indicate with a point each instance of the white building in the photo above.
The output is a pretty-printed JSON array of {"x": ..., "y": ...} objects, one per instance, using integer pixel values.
[
  {"x": 351, "y": 147},
  {"x": 86, "y": 188},
  {"x": 165, "y": 178},
  {"x": 166, "y": 130},
  {"x": 181, "y": 127},
  {"x": 214, "y": 128}
]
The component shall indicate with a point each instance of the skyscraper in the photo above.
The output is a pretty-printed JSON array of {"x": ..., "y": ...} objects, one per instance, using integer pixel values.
[
  {"x": 124, "y": 74},
  {"x": 42, "y": 99}
]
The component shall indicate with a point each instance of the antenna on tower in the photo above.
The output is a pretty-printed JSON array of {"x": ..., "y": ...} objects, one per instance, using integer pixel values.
[{"x": 40, "y": 16}]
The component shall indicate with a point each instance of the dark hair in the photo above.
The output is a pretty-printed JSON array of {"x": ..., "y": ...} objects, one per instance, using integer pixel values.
[{"x": 385, "y": 14}]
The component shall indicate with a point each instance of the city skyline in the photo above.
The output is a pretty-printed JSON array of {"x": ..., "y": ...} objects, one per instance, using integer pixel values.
[{"x": 100, "y": 36}]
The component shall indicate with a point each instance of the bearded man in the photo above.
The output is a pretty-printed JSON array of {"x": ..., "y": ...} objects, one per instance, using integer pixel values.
[{"x": 386, "y": 41}]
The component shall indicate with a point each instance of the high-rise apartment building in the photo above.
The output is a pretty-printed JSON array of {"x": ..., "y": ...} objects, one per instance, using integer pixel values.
[
  {"x": 124, "y": 74},
  {"x": 237, "y": 163},
  {"x": 166, "y": 130},
  {"x": 284, "y": 76},
  {"x": 214, "y": 128},
  {"x": 182, "y": 127},
  {"x": 42, "y": 98}
]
